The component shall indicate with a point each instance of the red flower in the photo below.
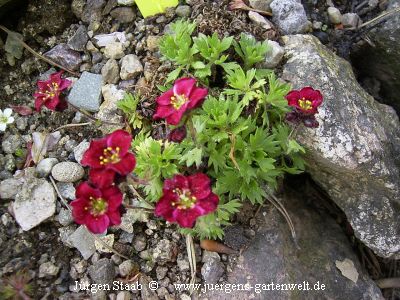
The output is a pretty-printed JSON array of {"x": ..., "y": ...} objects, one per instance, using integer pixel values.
[
  {"x": 97, "y": 208},
  {"x": 107, "y": 156},
  {"x": 185, "y": 198},
  {"x": 174, "y": 103},
  {"x": 305, "y": 101},
  {"x": 49, "y": 91},
  {"x": 177, "y": 135}
]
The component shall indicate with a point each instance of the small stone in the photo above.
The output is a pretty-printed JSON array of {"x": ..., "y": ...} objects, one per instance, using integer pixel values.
[
  {"x": 64, "y": 217},
  {"x": 260, "y": 20},
  {"x": 261, "y": 4},
  {"x": 126, "y": 267},
  {"x": 290, "y": 16},
  {"x": 212, "y": 271},
  {"x": 86, "y": 92},
  {"x": 139, "y": 244},
  {"x": 153, "y": 42},
  {"x": 77, "y": 7},
  {"x": 65, "y": 234},
  {"x": 66, "y": 189},
  {"x": 34, "y": 203},
  {"x": 161, "y": 272},
  {"x": 210, "y": 256},
  {"x": 107, "y": 240},
  {"x": 114, "y": 50},
  {"x": 48, "y": 269},
  {"x": 163, "y": 252},
  {"x": 91, "y": 47},
  {"x": 130, "y": 67},
  {"x": 109, "y": 109},
  {"x": 334, "y": 15},
  {"x": 82, "y": 240},
  {"x": 70, "y": 145},
  {"x": 102, "y": 40},
  {"x": 97, "y": 57},
  {"x": 110, "y": 71},
  {"x": 351, "y": 20},
  {"x": 123, "y": 14},
  {"x": 274, "y": 55},
  {"x": 79, "y": 40},
  {"x": 126, "y": 2},
  {"x": 123, "y": 295},
  {"x": 67, "y": 172},
  {"x": 9, "y": 188},
  {"x": 11, "y": 144},
  {"x": 183, "y": 264},
  {"x": 43, "y": 169},
  {"x": 183, "y": 11},
  {"x": 102, "y": 272},
  {"x": 80, "y": 150},
  {"x": 65, "y": 56}
]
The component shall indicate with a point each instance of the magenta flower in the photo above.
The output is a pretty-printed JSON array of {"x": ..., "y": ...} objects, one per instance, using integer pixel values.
[
  {"x": 177, "y": 135},
  {"x": 185, "y": 198},
  {"x": 305, "y": 103},
  {"x": 97, "y": 208},
  {"x": 108, "y": 156},
  {"x": 182, "y": 97},
  {"x": 49, "y": 92}
]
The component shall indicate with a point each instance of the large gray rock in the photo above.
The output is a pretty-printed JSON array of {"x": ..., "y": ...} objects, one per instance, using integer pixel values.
[
  {"x": 290, "y": 16},
  {"x": 86, "y": 92},
  {"x": 354, "y": 154},
  {"x": 272, "y": 257},
  {"x": 380, "y": 59},
  {"x": 34, "y": 203},
  {"x": 82, "y": 240}
]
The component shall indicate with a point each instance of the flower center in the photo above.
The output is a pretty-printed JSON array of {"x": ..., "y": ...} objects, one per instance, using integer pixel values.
[
  {"x": 178, "y": 100},
  {"x": 110, "y": 156},
  {"x": 186, "y": 200},
  {"x": 3, "y": 119},
  {"x": 98, "y": 206},
  {"x": 305, "y": 104}
]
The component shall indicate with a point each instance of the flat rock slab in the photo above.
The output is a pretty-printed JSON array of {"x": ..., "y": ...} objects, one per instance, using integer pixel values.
[
  {"x": 82, "y": 240},
  {"x": 273, "y": 258},
  {"x": 34, "y": 203},
  {"x": 86, "y": 92},
  {"x": 354, "y": 152}
]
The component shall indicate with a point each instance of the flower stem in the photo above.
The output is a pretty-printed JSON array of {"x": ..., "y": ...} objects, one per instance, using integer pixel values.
[
  {"x": 149, "y": 210},
  {"x": 85, "y": 113}
]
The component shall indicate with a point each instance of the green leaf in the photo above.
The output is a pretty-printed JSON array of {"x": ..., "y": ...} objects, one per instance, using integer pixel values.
[
  {"x": 192, "y": 156},
  {"x": 293, "y": 146}
]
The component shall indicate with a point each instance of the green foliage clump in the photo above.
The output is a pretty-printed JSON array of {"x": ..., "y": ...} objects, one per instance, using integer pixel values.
[{"x": 238, "y": 136}]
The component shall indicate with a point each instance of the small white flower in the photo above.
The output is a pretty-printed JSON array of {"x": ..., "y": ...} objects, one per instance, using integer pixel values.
[{"x": 5, "y": 118}]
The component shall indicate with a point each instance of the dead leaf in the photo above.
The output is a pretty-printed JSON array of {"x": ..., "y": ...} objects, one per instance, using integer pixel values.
[
  {"x": 43, "y": 142},
  {"x": 347, "y": 269},
  {"x": 22, "y": 110},
  {"x": 215, "y": 246}
]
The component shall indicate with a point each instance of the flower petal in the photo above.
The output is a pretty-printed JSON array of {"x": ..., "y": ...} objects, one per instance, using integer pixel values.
[
  {"x": 178, "y": 181},
  {"x": 200, "y": 185},
  {"x": 78, "y": 210},
  {"x": 293, "y": 98},
  {"x": 113, "y": 196},
  {"x": 97, "y": 224},
  {"x": 184, "y": 86},
  {"x": 164, "y": 208},
  {"x": 163, "y": 111},
  {"x": 10, "y": 120},
  {"x": 197, "y": 97},
  {"x": 7, "y": 112},
  {"x": 85, "y": 191},
  {"x": 65, "y": 83},
  {"x": 208, "y": 204},
  {"x": 165, "y": 99},
  {"x": 186, "y": 217},
  {"x": 115, "y": 217},
  {"x": 3, "y": 127},
  {"x": 52, "y": 103},
  {"x": 91, "y": 157},
  {"x": 125, "y": 166},
  {"x": 176, "y": 116},
  {"x": 101, "y": 177},
  {"x": 119, "y": 138},
  {"x": 38, "y": 103}
]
